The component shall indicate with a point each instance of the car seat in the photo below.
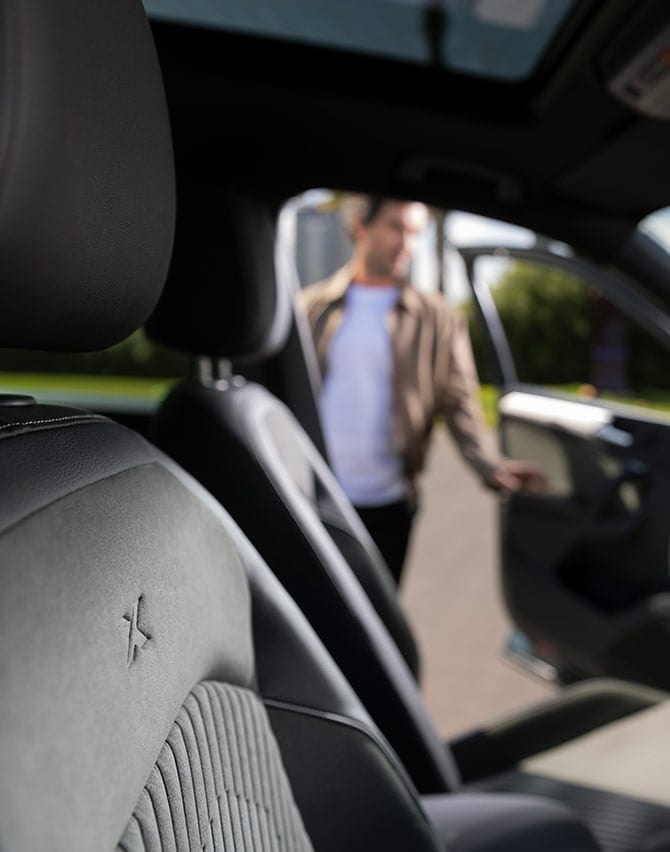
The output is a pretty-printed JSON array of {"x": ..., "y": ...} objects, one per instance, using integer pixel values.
[
  {"x": 223, "y": 304},
  {"x": 136, "y": 622}
]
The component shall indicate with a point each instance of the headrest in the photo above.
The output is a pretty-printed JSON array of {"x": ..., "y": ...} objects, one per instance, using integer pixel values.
[
  {"x": 86, "y": 173},
  {"x": 222, "y": 297}
]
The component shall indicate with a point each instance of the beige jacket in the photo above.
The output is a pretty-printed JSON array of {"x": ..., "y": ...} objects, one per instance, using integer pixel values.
[{"x": 434, "y": 371}]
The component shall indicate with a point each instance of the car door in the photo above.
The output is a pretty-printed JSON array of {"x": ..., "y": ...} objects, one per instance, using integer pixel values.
[{"x": 584, "y": 565}]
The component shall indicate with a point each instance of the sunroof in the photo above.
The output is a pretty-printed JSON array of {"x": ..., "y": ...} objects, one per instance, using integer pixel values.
[{"x": 500, "y": 39}]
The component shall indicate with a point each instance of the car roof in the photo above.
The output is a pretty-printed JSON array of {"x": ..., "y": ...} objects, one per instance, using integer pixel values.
[{"x": 557, "y": 152}]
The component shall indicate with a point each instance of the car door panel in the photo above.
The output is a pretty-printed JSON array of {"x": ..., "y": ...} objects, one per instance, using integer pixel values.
[{"x": 584, "y": 565}]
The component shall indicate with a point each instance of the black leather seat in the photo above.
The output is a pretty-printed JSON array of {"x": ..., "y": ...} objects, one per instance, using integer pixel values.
[
  {"x": 222, "y": 301},
  {"x": 250, "y": 452},
  {"x": 136, "y": 622}
]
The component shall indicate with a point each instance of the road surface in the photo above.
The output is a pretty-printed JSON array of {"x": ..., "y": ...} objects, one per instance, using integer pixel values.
[{"x": 451, "y": 597}]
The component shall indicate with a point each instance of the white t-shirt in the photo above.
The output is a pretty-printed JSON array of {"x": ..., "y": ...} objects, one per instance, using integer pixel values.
[{"x": 357, "y": 399}]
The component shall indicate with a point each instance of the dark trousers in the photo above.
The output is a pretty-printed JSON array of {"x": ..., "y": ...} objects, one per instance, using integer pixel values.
[{"x": 390, "y": 527}]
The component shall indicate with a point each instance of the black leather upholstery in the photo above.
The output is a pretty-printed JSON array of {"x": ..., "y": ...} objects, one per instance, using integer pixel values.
[
  {"x": 238, "y": 433},
  {"x": 216, "y": 300},
  {"x": 85, "y": 702},
  {"x": 87, "y": 190},
  {"x": 320, "y": 725},
  {"x": 477, "y": 822},
  {"x": 252, "y": 454},
  {"x": 129, "y": 709},
  {"x": 268, "y": 450},
  {"x": 309, "y": 701},
  {"x": 125, "y": 609}
]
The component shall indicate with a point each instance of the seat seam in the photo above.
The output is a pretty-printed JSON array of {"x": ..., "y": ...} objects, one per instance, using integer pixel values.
[
  {"x": 171, "y": 749},
  {"x": 167, "y": 796},
  {"x": 81, "y": 418},
  {"x": 179, "y": 724},
  {"x": 349, "y": 722}
]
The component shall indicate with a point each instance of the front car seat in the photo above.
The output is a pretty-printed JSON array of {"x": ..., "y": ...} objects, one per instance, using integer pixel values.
[
  {"x": 130, "y": 716},
  {"x": 222, "y": 301},
  {"x": 226, "y": 432}
]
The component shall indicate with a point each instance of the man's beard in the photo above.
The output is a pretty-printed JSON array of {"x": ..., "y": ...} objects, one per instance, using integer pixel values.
[{"x": 396, "y": 272}]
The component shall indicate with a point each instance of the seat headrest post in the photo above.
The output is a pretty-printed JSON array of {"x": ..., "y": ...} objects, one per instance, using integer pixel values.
[{"x": 214, "y": 371}]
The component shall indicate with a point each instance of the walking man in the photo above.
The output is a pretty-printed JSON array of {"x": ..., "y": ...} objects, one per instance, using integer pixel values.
[{"x": 393, "y": 360}]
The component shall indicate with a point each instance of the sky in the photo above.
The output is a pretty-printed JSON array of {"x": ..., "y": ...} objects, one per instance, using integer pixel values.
[{"x": 463, "y": 229}]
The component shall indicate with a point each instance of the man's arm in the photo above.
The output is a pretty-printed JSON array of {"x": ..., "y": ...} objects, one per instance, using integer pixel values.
[{"x": 461, "y": 406}]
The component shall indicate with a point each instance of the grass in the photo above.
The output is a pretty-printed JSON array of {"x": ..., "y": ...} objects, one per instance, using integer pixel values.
[
  {"x": 122, "y": 386},
  {"x": 92, "y": 390},
  {"x": 489, "y": 397},
  {"x": 107, "y": 394}
]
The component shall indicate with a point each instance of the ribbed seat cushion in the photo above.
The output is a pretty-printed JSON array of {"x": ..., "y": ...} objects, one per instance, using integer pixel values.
[{"x": 218, "y": 783}]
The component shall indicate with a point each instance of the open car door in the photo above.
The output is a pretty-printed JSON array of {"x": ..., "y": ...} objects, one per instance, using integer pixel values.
[{"x": 585, "y": 565}]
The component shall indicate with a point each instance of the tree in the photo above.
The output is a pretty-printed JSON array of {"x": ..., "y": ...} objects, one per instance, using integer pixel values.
[{"x": 546, "y": 315}]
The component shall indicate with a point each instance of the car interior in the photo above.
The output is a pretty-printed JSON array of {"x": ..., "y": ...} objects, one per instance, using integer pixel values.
[{"x": 201, "y": 646}]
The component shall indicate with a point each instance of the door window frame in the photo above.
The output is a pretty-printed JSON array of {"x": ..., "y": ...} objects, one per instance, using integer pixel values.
[{"x": 625, "y": 293}]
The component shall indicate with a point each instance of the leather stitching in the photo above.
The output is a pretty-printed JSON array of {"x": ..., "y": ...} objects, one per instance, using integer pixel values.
[{"x": 18, "y": 424}]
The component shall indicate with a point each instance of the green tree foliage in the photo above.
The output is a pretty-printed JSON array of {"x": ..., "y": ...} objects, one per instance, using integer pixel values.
[
  {"x": 650, "y": 362},
  {"x": 546, "y": 315},
  {"x": 550, "y": 318}
]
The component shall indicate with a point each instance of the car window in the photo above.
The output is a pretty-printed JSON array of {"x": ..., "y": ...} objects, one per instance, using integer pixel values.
[
  {"x": 564, "y": 334},
  {"x": 131, "y": 377},
  {"x": 312, "y": 232}
]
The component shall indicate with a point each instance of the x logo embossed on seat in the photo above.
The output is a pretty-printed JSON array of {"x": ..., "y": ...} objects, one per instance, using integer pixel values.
[{"x": 137, "y": 639}]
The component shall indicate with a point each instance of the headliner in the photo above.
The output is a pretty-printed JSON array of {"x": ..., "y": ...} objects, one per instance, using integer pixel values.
[{"x": 557, "y": 152}]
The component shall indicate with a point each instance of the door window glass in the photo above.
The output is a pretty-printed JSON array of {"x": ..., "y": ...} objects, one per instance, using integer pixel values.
[{"x": 566, "y": 335}]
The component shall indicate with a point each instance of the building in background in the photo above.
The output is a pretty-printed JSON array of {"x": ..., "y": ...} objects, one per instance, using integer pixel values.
[{"x": 322, "y": 245}]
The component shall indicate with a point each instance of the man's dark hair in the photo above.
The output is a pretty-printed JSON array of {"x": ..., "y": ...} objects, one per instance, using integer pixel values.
[
  {"x": 357, "y": 208},
  {"x": 375, "y": 204}
]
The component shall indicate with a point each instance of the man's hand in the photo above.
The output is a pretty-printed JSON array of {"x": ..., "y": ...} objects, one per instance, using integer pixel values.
[{"x": 512, "y": 476}]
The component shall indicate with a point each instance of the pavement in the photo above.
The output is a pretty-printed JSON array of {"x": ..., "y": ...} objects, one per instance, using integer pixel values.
[{"x": 451, "y": 596}]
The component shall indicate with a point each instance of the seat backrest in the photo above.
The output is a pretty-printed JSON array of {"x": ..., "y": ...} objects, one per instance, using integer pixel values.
[
  {"x": 127, "y": 663},
  {"x": 130, "y": 715},
  {"x": 229, "y": 432},
  {"x": 129, "y": 703},
  {"x": 222, "y": 297}
]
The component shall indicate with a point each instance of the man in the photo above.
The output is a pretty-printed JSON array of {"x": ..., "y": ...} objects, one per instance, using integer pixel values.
[{"x": 392, "y": 360}]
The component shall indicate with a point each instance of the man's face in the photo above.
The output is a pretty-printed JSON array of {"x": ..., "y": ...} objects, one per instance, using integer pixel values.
[{"x": 386, "y": 244}]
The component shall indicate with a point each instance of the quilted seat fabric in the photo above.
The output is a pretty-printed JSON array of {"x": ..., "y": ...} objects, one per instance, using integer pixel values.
[{"x": 218, "y": 783}]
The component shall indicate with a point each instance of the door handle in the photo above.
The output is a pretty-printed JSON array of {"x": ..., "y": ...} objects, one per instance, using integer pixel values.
[{"x": 614, "y": 436}]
